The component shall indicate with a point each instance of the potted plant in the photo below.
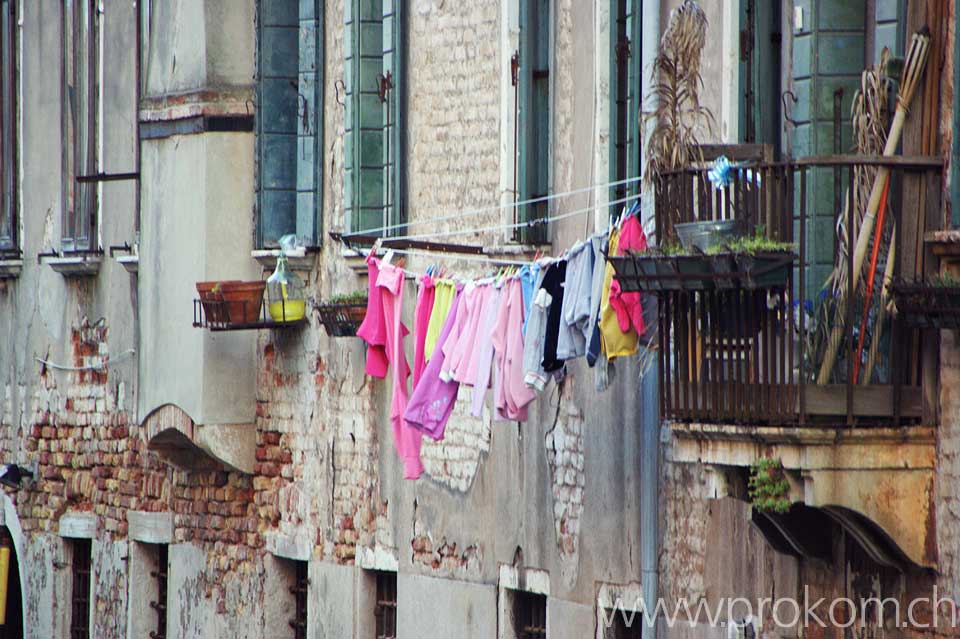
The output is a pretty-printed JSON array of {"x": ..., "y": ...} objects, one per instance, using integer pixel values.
[
  {"x": 242, "y": 300},
  {"x": 342, "y": 314},
  {"x": 760, "y": 262},
  {"x": 768, "y": 486},
  {"x": 211, "y": 298}
]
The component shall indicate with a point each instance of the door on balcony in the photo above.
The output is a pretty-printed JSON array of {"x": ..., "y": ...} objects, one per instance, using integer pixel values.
[{"x": 760, "y": 69}]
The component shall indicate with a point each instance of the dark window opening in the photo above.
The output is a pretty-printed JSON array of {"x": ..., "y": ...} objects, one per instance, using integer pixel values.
[
  {"x": 8, "y": 126},
  {"x": 625, "y": 76},
  {"x": 159, "y": 605},
  {"x": 386, "y": 607},
  {"x": 299, "y": 591},
  {"x": 530, "y": 615},
  {"x": 80, "y": 589}
]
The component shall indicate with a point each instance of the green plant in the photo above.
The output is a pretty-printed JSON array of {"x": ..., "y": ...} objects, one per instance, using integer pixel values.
[
  {"x": 943, "y": 281},
  {"x": 768, "y": 486},
  {"x": 754, "y": 244},
  {"x": 354, "y": 297}
]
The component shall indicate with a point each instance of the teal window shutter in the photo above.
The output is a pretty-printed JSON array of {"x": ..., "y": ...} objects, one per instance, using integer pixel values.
[
  {"x": 534, "y": 118},
  {"x": 373, "y": 120},
  {"x": 289, "y": 120},
  {"x": 625, "y": 103}
]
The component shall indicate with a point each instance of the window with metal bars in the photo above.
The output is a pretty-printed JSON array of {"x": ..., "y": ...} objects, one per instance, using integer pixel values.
[
  {"x": 8, "y": 126},
  {"x": 625, "y": 77},
  {"x": 386, "y": 607},
  {"x": 159, "y": 605},
  {"x": 82, "y": 30},
  {"x": 80, "y": 589},
  {"x": 619, "y": 627},
  {"x": 533, "y": 119},
  {"x": 530, "y": 615},
  {"x": 299, "y": 591},
  {"x": 374, "y": 98}
]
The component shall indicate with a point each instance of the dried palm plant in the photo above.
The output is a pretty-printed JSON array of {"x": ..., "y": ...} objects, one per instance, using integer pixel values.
[{"x": 677, "y": 82}]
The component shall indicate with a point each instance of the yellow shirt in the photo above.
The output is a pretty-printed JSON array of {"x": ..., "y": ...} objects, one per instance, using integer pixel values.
[
  {"x": 613, "y": 341},
  {"x": 442, "y": 301}
]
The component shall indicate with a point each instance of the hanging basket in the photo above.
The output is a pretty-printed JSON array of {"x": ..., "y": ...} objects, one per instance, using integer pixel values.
[
  {"x": 924, "y": 305},
  {"x": 342, "y": 320}
]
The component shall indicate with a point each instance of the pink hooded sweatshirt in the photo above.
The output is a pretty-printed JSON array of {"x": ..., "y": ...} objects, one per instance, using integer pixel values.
[{"x": 627, "y": 305}]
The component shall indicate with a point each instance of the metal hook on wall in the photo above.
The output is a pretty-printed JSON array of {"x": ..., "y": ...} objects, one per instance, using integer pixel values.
[
  {"x": 786, "y": 110},
  {"x": 339, "y": 86}
]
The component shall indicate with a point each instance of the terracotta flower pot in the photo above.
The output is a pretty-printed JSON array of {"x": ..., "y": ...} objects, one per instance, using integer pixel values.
[
  {"x": 243, "y": 300},
  {"x": 211, "y": 297}
]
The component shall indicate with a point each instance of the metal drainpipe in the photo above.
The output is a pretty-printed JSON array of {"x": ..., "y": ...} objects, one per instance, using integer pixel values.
[
  {"x": 955, "y": 160},
  {"x": 650, "y": 393}
]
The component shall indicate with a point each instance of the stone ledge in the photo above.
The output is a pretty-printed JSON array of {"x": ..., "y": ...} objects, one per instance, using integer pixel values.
[
  {"x": 78, "y": 525},
  {"x": 129, "y": 262},
  {"x": 525, "y": 579},
  {"x": 76, "y": 265},
  {"x": 149, "y": 527},
  {"x": 10, "y": 268},
  {"x": 298, "y": 547},
  {"x": 299, "y": 260}
]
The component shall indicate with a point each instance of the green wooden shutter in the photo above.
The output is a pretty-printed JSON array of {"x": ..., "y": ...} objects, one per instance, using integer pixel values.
[
  {"x": 364, "y": 197},
  {"x": 278, "y": 62},
  {"x": 534, "y": 117},
  {"x": 310, "y": 121},
  {"x": 625, "y": 82}
]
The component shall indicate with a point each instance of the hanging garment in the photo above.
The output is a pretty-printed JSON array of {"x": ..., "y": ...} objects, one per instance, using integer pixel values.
[
  {"x": 533, "y": 374},
  {"x": 425, "y": 296},
  {"x": 627, "y": 306},
  {"x": 575, "y": 311},
  {"x": 484, "y": 359},
  {"x": 460, "y": 337},
  {"x": 513, "y": 395},
  {"x": 462, "y": 363},
  {"x": 443, "y": 298},
  {"x": 373, "y": 329},
  {"x": 529, "y": 276},
  {"x": 615, "y": 342},
  {"x": 407, "y": 440},
  {"x": 553, "y": 281},
  {"x": 432, "y": 401},
  {"x": 599, "y": 243}
]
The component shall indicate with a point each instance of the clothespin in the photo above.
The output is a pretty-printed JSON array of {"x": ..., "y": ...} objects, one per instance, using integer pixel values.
[{"x": 376, "y": 246}]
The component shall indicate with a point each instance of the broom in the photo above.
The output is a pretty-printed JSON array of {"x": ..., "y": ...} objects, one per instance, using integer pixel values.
[
  {"x": 872, "y": 272},
  {"x": 912, "y": 71}
]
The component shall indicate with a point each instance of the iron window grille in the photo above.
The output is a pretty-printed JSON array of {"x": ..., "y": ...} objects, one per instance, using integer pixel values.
[
  {"x": 530, "y": 615},
  {"x": 299, "y": 591},
  {"x": 160, "y": 604},
  {"x": 386, "y": 608},
  {"x": 8, "y": 126},
  {"x": 620, "y": 629},
  {"x": 81, "y": 102},
  {"x": 80, "y": 591}
]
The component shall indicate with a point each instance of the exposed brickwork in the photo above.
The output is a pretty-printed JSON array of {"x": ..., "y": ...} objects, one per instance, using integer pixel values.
[
  {"x": 564, "y": 447},
  {"x": 455, "y": 460},
  {"x": 442, "y": 557}
]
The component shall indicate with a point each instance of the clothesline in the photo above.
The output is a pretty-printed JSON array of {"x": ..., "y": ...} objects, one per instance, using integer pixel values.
[
  {"x": 498, "y": 207},
  {"x": 515, "y": 225}
]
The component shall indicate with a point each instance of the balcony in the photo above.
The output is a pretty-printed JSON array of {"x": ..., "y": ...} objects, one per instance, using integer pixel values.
[
  {"x": 743, "y": 343},
  {"x": 751, "y": 352}
]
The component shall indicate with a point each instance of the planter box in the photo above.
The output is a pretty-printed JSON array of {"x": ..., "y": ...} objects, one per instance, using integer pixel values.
[
  {"x": 925, "y": 306},
  {"x": 764, "y": 270},
  {"x": 702, "y": 272},
  {"x": 342, "y": 320}
]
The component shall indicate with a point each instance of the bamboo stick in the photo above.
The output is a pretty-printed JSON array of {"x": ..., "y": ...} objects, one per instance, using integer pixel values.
[
  {"x": 882, "y": 312},
  {"x": 912, "y": 72}
]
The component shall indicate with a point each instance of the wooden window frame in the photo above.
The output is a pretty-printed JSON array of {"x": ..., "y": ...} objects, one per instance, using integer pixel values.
[
  {"x": 307, "y": 187},
  {"x": 9, "y": 138},
  {"x": 385, "y": 608},
  {"x": 534, "y": 118},
  {"x": 82, "y": 42},
  {"x": 81, "y": 571}
]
